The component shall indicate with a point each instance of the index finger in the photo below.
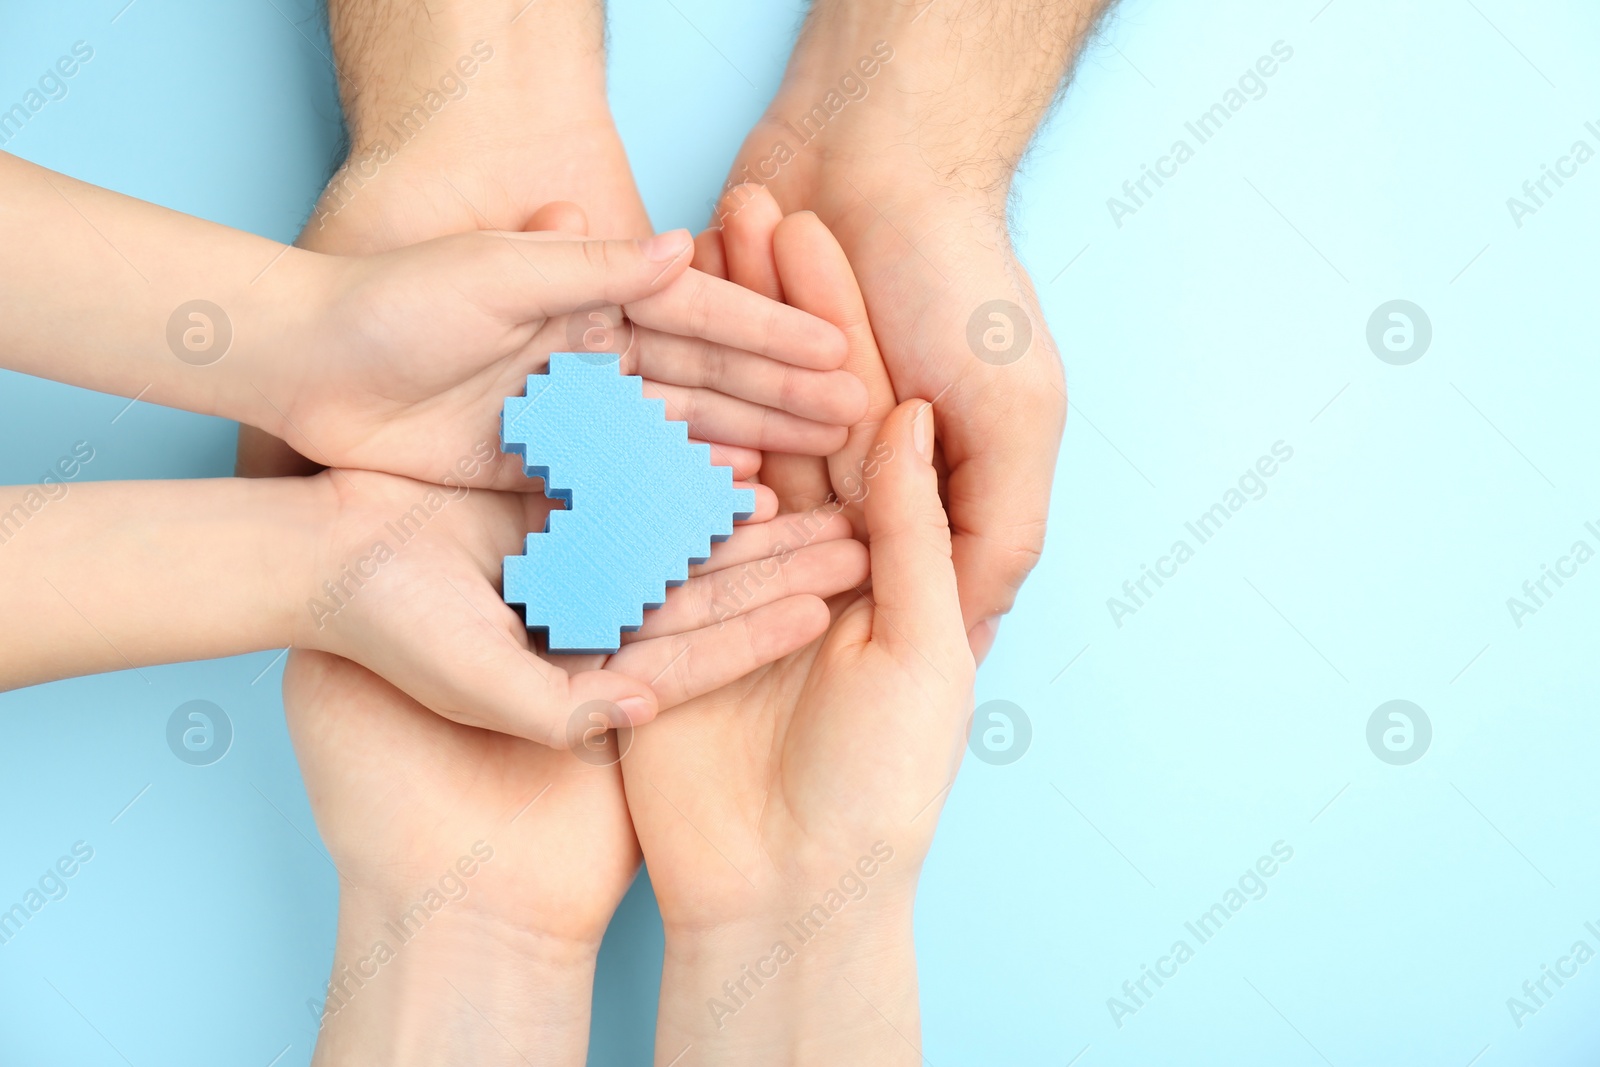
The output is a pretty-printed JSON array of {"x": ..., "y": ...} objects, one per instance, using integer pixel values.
[{"x": 699, "y": 305}]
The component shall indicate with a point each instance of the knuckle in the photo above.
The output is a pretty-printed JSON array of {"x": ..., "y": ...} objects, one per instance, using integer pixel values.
[
  {"x": 789, "y": 385},
  {"x": 597, "y": 254},
  {"x": 712, "y": 365},
  {"x": 700, "y": 310}
]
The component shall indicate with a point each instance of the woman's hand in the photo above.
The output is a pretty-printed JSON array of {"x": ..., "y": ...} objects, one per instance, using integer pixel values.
[
  {"x": 477, "y": 873},
  {"x": 396, "y": 361},
  {"x": 405, "y": 364},
  {"x": 784, "y": 819},
  {"x": 406, "y": 584}
]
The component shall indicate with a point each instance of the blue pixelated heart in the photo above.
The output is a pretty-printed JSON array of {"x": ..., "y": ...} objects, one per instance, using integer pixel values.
[{"x": 643, "y": 502}]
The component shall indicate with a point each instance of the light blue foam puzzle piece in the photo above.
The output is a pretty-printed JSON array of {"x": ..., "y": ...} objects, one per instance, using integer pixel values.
[{"x": 643, "y": 502}]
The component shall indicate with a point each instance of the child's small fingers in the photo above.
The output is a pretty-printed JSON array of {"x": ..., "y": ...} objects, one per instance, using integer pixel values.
[
  {"x": 766, "y": 504},
  {"x": 745, "y": 462},
  {"x": 834, "y": 396},
  {"x": 686, "y": 666},
  {"x": 723, "y": 418},
  {"x": 478, "y": 669},
  {"x": 696, "y": 304},
  {"x": 823, "y": 570},
  {"x": 784, "y": 533}
]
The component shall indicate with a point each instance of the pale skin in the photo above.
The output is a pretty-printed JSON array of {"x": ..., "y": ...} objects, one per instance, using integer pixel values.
[
  {"x": 769, "y": 766},
  {"x": 391, "y": 364},
  {"x": 523, "y": 953},
  {"x": 396, "y": 361},
  {"x": 533, "y": 127},
  {"x": 997, "y": 433},
  {"x": 816, "y": 781},
  {"x": 401, "y": 795},
  {"x": 205, "y": 569},
  {"x": 505, "y": 974},
  {"x": 934, "y": 168},
  {"x": 914, "y": 179}
]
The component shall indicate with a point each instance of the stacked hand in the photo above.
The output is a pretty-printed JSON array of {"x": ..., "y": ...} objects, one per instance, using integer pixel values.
[
  {"x": 400, "y": 376},
  {"x": 856, "y": 339},
  {"x": 392, "y": 367},
  {"x": 755, "y": 800}
]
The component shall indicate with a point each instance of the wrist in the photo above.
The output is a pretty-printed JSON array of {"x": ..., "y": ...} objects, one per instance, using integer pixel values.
[
  {"x": 282, "y": 323},
  {"x": 302, "y": 588},
  {"x": 881, "y": 91},
  {"x": 801, "y": 986},
  {"x": 487, "y": 160},
  {"x": 247, "y": 347},
  {"x": 423, "y": 979},
  {"x": 479, "y": 91},
  {"x": 448, "y": 57},
  {"x": 294, "y": 519}
]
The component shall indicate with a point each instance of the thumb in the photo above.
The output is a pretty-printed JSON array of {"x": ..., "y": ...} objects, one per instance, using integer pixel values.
[
  {"x": 500, "y": 685},
  {"x": 915, "y": 604},
  {"x": 528, "y": 276}
]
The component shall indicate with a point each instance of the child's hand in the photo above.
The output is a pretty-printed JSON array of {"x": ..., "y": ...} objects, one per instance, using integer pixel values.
[
  {"x": 399, "y": 361},
  {"x": 407, "y": 586},
  {"x": 405, "y": 360}
]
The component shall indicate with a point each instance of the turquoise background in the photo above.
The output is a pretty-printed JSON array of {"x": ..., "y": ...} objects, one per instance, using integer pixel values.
[{"x": 1227, "y": 714}]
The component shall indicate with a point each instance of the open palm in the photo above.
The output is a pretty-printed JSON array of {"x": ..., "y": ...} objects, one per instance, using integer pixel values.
[
  {"x": 769, "y": 788},
  {"x": 401, "y": 373}
]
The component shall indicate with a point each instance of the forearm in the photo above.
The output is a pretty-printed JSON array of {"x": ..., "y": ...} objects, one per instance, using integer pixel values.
[
  {"x": 97, "y": 290},
  {"x": 459, "y": 989},
  {"x": 104, "y": 576},
  {"x": 793, "y": 991},
  {"x": 391, "y": 53}
]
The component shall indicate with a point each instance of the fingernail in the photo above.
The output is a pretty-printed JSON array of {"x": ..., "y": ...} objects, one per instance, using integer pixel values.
[
  {"x": 922, "y": 432},
  {"x": 665, "y": 247},
  {"x": 981, "y": 637},
  {"x": 637, "y": 710}
]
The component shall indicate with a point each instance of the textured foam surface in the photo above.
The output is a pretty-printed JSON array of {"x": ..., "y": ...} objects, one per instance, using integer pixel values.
[{"x": 643, "y": 502}]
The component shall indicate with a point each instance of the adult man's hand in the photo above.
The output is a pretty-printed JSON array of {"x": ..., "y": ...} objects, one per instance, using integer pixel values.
[
  {"x": 463, "y": 115},
  {"x": 901, "y": 125}
]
